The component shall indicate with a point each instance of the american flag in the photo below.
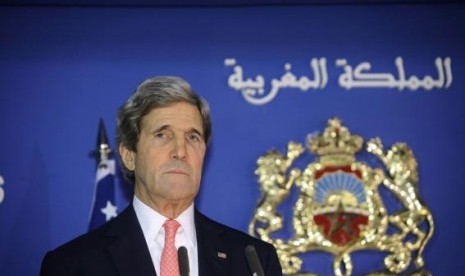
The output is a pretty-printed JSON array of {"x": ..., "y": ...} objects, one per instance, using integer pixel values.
[{"x": 103, "y": 205}]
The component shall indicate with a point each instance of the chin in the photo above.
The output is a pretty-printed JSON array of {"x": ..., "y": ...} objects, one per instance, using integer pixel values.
[{"x": 181, "y": 189}]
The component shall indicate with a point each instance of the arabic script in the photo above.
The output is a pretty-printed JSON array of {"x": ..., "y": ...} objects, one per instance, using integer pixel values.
[{"x": 359, "y": 76}]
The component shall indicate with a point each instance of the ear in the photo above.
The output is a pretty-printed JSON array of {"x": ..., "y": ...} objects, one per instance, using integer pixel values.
[{"x": 128, "y": 157}]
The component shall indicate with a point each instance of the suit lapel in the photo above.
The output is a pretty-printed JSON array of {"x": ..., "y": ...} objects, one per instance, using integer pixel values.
[
  {"x": 213, "y": 253},
  {"x": 129, "y": 250}
]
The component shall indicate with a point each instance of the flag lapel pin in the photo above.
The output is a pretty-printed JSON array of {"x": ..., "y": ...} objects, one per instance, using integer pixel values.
[{"x": 222, "y": 255}]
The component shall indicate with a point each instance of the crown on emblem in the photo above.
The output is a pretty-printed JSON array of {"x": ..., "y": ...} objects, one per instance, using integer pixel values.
[{"x": 336, "y": 144}]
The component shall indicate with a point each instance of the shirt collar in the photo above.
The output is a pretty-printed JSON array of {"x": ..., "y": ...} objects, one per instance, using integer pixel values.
[{"x": 152, "y": 222}]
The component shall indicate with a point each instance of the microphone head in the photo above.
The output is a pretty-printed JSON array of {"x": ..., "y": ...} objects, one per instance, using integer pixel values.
[
  {"x": 182, "y": 250},
  {"x": 183, "y": 261},
  {"x": 250, "y": 251}
]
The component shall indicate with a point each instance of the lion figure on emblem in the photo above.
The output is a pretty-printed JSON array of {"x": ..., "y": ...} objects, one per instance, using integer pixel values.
[{"x": 402, "y": 169}]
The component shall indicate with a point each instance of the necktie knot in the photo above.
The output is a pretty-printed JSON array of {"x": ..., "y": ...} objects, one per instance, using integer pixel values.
[{"x": 171, "y": 227}]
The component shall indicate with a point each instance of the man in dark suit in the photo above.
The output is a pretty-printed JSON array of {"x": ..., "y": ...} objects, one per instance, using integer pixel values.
[{"x": 163, "y": 131}]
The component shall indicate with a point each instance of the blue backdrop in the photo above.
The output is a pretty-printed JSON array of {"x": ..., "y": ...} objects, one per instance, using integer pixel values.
[{"x": 64, "y": 68}]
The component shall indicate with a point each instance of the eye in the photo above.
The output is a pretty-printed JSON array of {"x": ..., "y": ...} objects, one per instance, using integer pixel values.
[
  {"x": 160, "y": 135},
  {"x": 163, "y": 135},
  {"x": 194, "y": 137}
]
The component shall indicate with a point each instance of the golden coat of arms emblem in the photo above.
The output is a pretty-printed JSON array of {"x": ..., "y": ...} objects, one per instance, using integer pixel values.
[{"x": 339, "y": 207}]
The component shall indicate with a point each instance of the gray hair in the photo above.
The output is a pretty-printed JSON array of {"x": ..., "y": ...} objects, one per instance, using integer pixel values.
[{"x": 153, "y": 93}]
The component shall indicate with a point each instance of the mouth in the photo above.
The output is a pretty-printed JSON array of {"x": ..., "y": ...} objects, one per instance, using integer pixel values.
[
  {"x": 177, "y": 171},
  {"x": 176, "y": 168}
]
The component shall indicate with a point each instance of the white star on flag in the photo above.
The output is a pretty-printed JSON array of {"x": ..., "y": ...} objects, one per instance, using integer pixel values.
[{"x": 109, "y": 211}]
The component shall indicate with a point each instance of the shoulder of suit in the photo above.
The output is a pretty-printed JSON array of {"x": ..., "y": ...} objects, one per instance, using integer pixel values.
[
  {"x": 84, "y": 242},
  {"x": 91, "y": 240},
  {"x": 232, "y": 234}
]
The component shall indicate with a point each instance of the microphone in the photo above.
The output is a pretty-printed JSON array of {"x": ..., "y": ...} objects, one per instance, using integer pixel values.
[
  {"x": 183, "y": 261},
  {"x": 254, "y": 262}
]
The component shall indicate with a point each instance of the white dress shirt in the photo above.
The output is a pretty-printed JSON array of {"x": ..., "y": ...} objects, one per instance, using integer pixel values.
[{"x": 152, "y": 222}]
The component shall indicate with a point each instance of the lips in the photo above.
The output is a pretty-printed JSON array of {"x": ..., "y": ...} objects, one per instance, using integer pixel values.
[
  {"x": 177, "y": 171},
  {"x": 177, "y": 168}
]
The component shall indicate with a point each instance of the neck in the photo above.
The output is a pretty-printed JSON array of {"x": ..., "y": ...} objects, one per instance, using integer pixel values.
[{"x": 168, "y": 208}]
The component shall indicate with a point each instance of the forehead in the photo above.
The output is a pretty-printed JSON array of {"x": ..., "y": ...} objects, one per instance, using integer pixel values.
[{"x": 180, "y": 114}]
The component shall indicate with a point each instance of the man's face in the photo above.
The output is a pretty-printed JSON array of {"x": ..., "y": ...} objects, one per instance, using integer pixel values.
[{"x": 170, "y": 154}]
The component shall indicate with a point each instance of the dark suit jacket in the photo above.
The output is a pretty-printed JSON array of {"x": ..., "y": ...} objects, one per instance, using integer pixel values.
[{"x": 119, "y": 248}]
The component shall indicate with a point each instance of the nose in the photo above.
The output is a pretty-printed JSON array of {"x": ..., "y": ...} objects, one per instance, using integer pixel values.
[{"x": 179, "y": 149}]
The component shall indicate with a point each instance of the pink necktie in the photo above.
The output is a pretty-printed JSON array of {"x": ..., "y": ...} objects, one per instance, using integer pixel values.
[{"x": 169, "y": 255}]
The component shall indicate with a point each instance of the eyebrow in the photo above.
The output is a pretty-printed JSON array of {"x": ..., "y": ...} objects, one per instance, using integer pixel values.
[
  {"x": 163, "y": 127},
  {"x": 193, "y": 129}
]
